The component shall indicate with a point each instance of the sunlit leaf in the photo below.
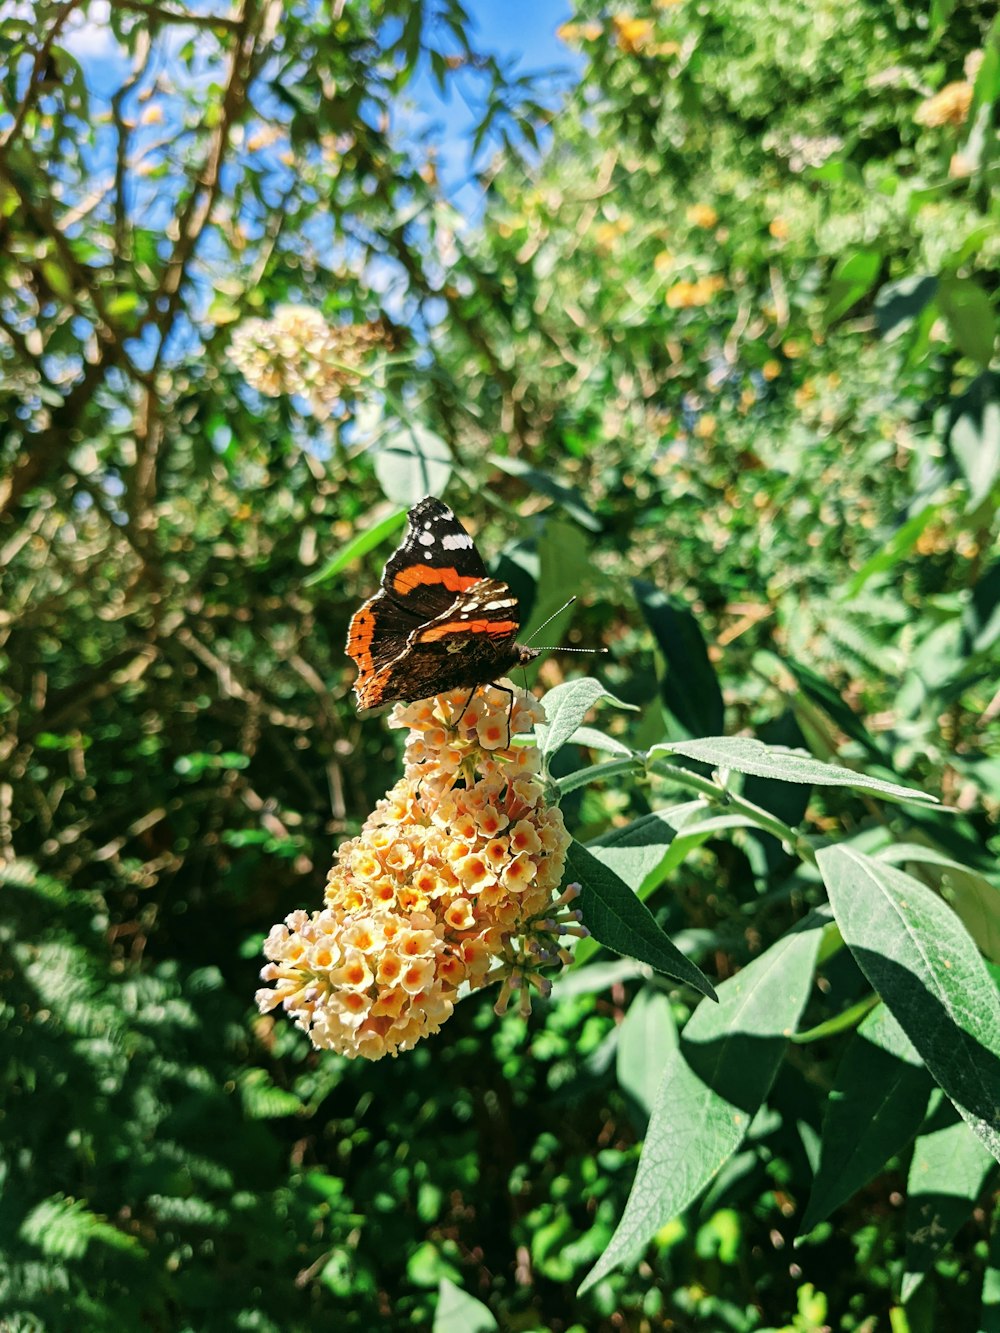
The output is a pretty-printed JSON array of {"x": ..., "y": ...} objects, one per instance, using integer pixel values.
[
  {"x": 921, "y": 960},
  {"x": 712, "y": 1086},
  {"x": 743, "y": 754},
  {"x": 618, "y": 920}
]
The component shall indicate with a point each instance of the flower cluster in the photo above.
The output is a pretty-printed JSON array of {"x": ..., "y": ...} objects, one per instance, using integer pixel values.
[
  {"x": 298, "y": 352},
  {"x": 452, "y": 881},
  {"x": 682, "y": 295},
  {"x": 950, "y": 106}
]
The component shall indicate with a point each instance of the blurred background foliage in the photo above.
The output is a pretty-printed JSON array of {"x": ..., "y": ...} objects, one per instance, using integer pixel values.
[{"x": 714, "y": 351}]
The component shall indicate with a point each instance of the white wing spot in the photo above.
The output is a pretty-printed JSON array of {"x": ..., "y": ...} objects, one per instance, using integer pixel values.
[
  {"x": 427, "y": 527},
  {"x": 427, "y": 555},
  {"x": 456, "y": 541},
  {"x": 426, "y": 539}
]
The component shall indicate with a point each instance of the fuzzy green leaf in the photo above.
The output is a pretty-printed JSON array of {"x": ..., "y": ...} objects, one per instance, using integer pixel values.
[
  {"x": 618, "y": 920},
  {"x": 745, "y": 755},
  {"x": 919, "y": 957},
  {"x": 712, "y": 1086}
]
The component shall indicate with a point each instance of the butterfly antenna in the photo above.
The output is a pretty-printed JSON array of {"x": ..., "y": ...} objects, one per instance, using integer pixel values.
[
  {"x": 558, "y": 648},
  {"x": 551, "y": 618},
  {"x": 554, "y": 648}
]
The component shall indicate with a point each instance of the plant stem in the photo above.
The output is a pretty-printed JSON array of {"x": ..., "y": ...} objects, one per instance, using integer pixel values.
[{"x": 723, "y": 796}]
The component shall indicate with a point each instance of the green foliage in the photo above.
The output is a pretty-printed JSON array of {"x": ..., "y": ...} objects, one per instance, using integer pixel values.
[{"x": 717, "y": 356}]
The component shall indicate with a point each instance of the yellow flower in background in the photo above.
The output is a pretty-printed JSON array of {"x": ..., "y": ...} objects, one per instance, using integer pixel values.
[
  {"x": 950, "y": 106},
  {"x": 771, "y": 369},
  {"x": 779, "y": 229},
  {"x": 606, "y": 234},
  {"x": 575, "y": 33},
  {"x": 451, "y": 881},
  {"x": 663, "y": 262},
  {"x": 632, "y": 34},
  {"x": 682, "y": 295},
  {"x": 702, "y": 215}
]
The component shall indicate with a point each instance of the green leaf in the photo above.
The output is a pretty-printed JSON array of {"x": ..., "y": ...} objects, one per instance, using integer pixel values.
[
  {"x": 63, "y": 1228},
  {"x": 712, "y": 1086},
  {"x": 690, "y": 689},
  {"x": 691, "y": 830},
  {"x": 582, "y": 777},
  {"x": 973, "y": 435},
  {"x": 646, "y": 1039},
  {"x": 411, "y": 462},
  {"x": 989, "y": 1312},
  {"x": 263, "y": 1099},
  {"x": 919, "y": 957},
  {"x": 745, "y": 755},
  {"x": 57, "y": 278},
  {"x": 970, "y": 314},
  {"x": 618, "y": 920},
  {"x": 823, "y": 695},
  {"x": 853, "y": 277},
  {"x": 976, "y": 899},
  {"x": 565, "y": 708},
  {"x": 458, "y": 1312},
  {"x": 359, "y": 545},
  {"x": 899, "y": 545},
  {"x": 981, "y": 618},
  {"x": 874, "y": 1109},
  {"x": 561, "y": 546},
  {"x": 636, "y": 851},
  {"x": 122, "y": 304},
  {"x": 899, "y": 303},
  {"x": 948, "y": 1170},
  {"x": 220, "y": 312},
  {"x": 567, "y": 497},
  {"x": 428, "y": 1266},
  {"x": 941, "y": 11},
  {"x": 597, "y": 740},
  {"x": 987, "y": 86}
]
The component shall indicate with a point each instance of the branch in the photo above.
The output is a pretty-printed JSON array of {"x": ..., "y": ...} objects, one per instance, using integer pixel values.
[
  {"x": 142, "y": 50},
  {"x": 44, "y": 448},
  {"x": 164, "y": 15},
  {"x": 76, "y": 273},
  {"x": 38, "y": 72},
  {"x": 198, "y": 207}
]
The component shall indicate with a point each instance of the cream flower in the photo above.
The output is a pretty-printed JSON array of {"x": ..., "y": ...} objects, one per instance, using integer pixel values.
[{"x": 450, "y": 883}]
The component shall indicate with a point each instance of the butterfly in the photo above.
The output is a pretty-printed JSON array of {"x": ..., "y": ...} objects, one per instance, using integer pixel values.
[{"x": 438, "y": 622}]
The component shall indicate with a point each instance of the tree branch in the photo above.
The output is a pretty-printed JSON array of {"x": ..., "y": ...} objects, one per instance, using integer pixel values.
[
  {"x": 164, "y": 15},
  {"x": 197, "y": 209},
  {"x": 38, "y": 72}
]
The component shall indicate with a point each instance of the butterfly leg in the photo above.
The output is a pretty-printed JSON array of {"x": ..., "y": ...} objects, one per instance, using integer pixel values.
[
  {"x": 510, "y": 707},
  {"x": 465, "y": 706}
]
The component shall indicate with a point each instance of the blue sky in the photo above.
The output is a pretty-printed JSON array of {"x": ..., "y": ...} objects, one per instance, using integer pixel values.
[{"x": 520, "y": 31}]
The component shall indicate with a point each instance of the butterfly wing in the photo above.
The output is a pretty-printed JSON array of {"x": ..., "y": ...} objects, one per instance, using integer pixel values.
[{"x": 436, "y": 562}]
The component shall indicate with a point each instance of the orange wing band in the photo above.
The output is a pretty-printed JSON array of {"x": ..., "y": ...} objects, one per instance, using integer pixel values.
[
  {"x": 415, "y": 575},
  {"x": 359, "y": 639},
  {"x": 491, "y": 627}
]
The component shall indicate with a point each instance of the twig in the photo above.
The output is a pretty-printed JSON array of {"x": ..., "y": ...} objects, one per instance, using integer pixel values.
[
  {"x": 198, "y": 207},
  {"x": 38, "y": 69},
  {"x": 185, "y": 16}
]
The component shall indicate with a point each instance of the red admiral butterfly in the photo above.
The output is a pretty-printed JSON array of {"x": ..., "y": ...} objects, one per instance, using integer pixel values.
[{"x": 439, "y": 622}]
